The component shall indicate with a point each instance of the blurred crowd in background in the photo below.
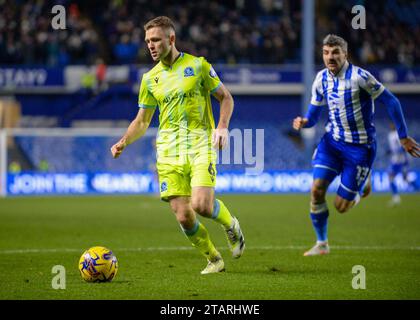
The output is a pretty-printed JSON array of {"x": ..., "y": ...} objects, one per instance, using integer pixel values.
[{"x": 224, "y": 31}]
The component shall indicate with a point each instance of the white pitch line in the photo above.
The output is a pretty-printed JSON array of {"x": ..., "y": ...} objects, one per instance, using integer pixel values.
[{"x": 183, "y": 248}]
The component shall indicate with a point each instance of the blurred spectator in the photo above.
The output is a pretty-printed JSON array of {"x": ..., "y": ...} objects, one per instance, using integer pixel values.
[
  {"x": 125, "y": 51},
  {"x": 15, "y": 167},
  {"x": 225, "y": 31},
  {"x": 43, "y": 165},
  {"x": 101, "y": 74},
  {"x": 26, "y": 35}
]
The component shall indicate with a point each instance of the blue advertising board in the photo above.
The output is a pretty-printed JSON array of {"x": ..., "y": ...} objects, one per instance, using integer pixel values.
[
  {"x": 146, "y": 183},
  {"x": 289, "y": 74},
  {"x": 21, "y": 77},
  {"x": 30, "y": 77}
]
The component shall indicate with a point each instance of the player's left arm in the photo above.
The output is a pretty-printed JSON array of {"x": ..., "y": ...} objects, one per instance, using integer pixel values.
[
  {"x": 221, "y": 134},
  {"x": 377, "y": 91},
  {"x": 394, "y": 110}
]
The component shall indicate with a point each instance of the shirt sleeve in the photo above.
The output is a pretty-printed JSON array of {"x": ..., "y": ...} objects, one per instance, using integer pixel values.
[
  {"x": 146, "y": 98},
  {"x": 210, "y": 77},
  {"x": 317, "y": 98},
  {"x": 369, "y": 83}
]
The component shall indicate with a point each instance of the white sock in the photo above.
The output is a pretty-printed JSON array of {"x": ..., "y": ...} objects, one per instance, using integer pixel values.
[
  {"x": 357, "y": 199},
  {"x": 319, "y": 208}
]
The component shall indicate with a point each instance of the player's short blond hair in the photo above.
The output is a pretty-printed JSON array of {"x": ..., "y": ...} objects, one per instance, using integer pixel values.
[
  {"x": 162, "y": 22},
  {"x": 333, "y": 40}
]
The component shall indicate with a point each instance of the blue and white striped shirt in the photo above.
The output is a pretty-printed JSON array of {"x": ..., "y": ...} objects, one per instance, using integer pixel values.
[
  {"x": 398, "y": 154},
  {"x": 350, "y": 99}
]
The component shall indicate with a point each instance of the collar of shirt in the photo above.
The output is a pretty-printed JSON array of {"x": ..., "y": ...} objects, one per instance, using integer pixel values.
[
  {"x": 177, "y": 60},
  {"x": 341, "y": 74}
]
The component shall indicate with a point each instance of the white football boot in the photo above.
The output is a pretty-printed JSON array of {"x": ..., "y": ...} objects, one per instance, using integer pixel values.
[
  {"x": 215, "y": 266},
  {"x": 235, "y": 238},
  {"x": 395, "y": 201},
  {"x": 318, "y": 249}
]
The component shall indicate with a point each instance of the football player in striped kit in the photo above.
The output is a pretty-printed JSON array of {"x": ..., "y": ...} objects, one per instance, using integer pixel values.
[
  {"x": 348, "y": 147},
  {"x": 399, "y": 163}
]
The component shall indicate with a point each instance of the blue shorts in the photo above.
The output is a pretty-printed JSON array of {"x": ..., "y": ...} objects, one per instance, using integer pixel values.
[
  {"x": 352, "y": 161},
  {"x": 397, "y": 168}
]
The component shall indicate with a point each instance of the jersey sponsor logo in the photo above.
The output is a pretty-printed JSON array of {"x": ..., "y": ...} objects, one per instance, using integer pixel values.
[
  {"x": 163, "y": 186},
  {"x": 373, "y": 85},
  {"x": 179, "y": 95},
  {"x": 188, "y": 72}
]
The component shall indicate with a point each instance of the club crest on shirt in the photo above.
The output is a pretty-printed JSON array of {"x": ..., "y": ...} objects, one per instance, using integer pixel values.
[
  {"x": 188, "y": 72},
  {"x": 324, "y": 84}
]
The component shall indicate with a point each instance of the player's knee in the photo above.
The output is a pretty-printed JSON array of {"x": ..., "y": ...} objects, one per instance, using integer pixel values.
[
  {"x": 318, "y": 193},
  {"x": 202, "y": 207},
  {"x": 183, "y": 213},
  {"x": 176, "y": 206},
  {"x": 185, "y": 219}
]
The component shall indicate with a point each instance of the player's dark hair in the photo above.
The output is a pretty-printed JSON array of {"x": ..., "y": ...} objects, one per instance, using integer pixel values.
[
  {"x": 333, "y": 40},
  {"x": 162, "y": 22}
]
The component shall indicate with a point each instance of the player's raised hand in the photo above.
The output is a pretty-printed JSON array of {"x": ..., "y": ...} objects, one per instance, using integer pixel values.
[
  {"x": 299, "y": 123},
  {"x": 118, "y": 148},
  {"x": 411, "y": 146},
  {"x": 220, "y": 138}
]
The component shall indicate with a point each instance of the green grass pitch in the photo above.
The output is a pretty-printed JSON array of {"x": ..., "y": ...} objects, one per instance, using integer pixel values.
[{"x": 156, "y": 260}]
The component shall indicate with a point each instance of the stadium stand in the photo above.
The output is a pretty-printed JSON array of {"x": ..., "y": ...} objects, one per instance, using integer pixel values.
[
  {"x": 225, "y": 32},
  {"x": 86, "y": 154},
  {"x": 231, "y": 32}
]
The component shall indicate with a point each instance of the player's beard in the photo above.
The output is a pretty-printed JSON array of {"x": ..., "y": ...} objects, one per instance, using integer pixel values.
[{"x": 334, "y": 66}]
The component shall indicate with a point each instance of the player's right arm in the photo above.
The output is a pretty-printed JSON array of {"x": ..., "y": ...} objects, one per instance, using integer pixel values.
[
  {"x": 136, "y": 130},
  {"x": 314, "y": 110}
]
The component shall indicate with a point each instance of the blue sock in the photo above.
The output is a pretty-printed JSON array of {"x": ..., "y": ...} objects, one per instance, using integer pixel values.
[
  {"x": 319, "y": 216},
  {"x": 394, "y": 189},
  {"x": 414, "y": 185}
]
